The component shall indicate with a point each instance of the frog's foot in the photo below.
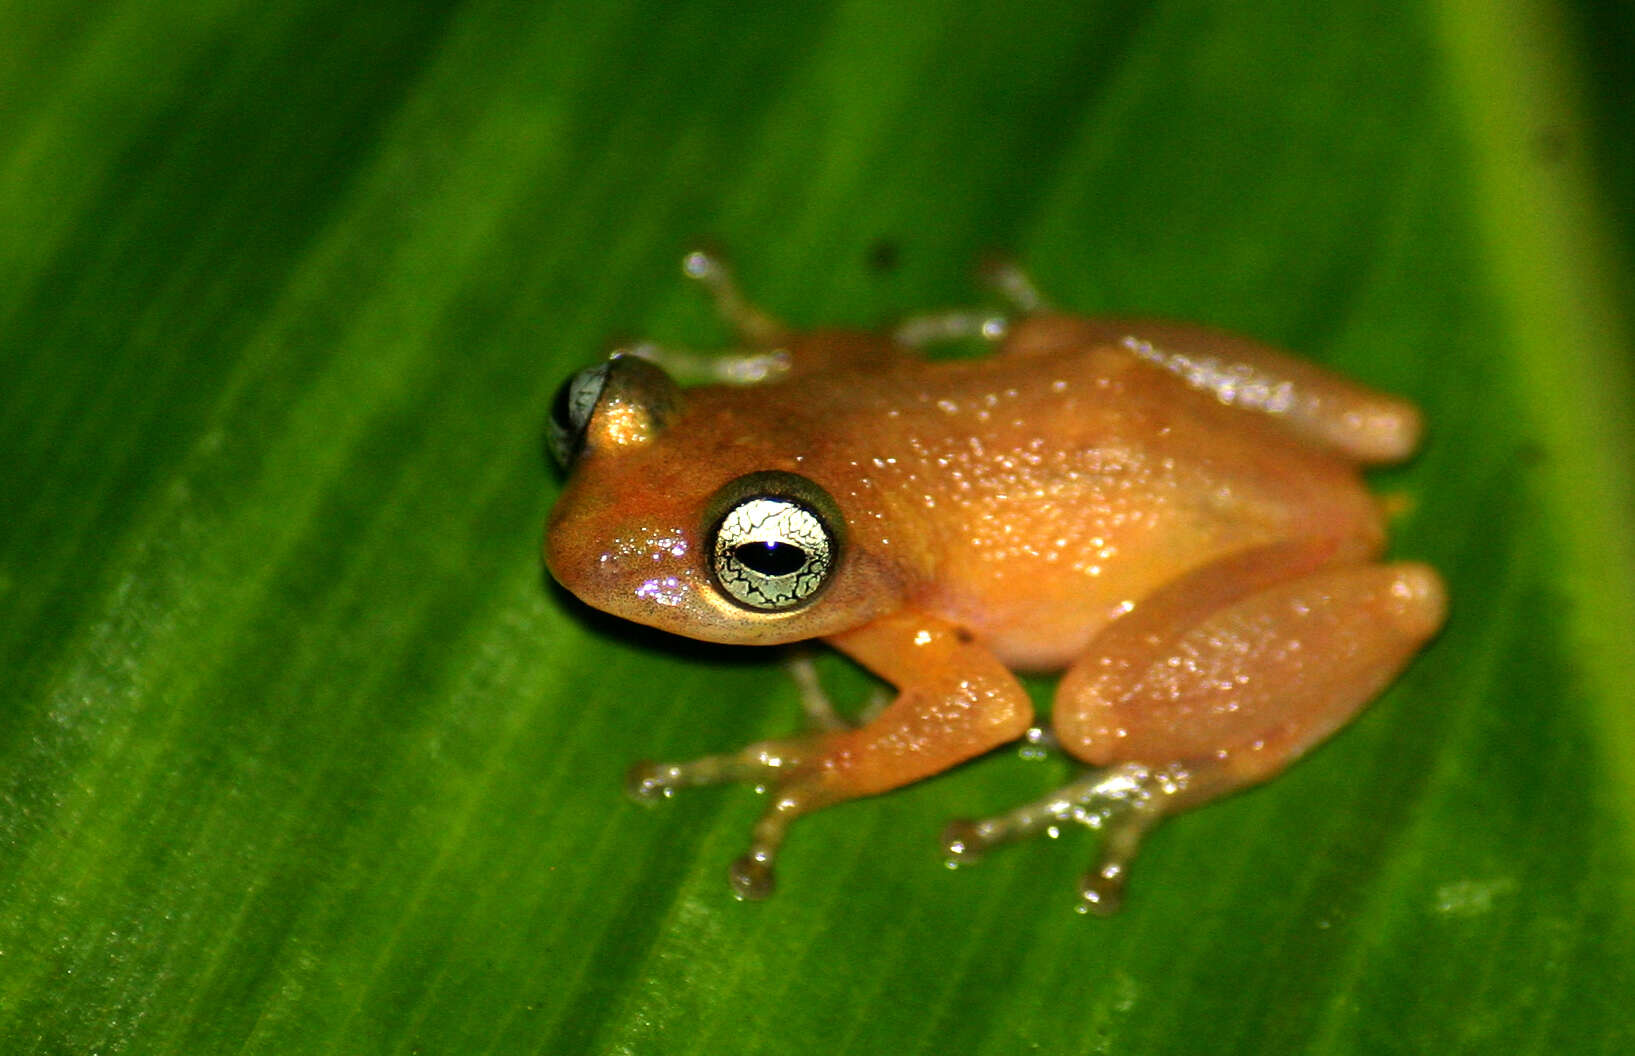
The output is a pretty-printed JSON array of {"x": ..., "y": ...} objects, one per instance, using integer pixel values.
[
  {"x": 1121, "y": 802},
  {"x": 1040, "y": 742},
  {"x": 821, "y": 715},
  {"x": 773, "y": 764},
  {"x": 955, "y": 324},
  {"x": 757, "y": 764},
  {"x": 765, "y": 349},
  {"x": 760, "y": 764},
  {"x": 1002, "y": 275},
  {"x": 820, "y": 710},
  {"x": 764, "y": 355},
  {"x": 1225, "y": 676},
  {"x": 709, "y": 268},
  {"x": 691, "y": 367}
]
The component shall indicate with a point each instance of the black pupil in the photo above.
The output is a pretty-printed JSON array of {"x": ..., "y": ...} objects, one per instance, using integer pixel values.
[
  {"x": 771, "y": 559},
  {"x": 571, "y": 410},
  {"x": 562, "y": 407}
]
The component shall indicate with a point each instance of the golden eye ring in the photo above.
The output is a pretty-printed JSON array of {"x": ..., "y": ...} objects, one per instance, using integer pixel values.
[{"x": 774, "y": 543}]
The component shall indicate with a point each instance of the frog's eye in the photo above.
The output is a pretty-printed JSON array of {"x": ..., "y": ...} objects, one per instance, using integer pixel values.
[
  {"x": 571, "y": 411},
  {"x": 623, "y": 403},
  {"x": 775, "y": 544}
]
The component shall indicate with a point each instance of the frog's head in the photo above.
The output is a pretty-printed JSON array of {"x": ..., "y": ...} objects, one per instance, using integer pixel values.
[{"x": 681, "y": 514}]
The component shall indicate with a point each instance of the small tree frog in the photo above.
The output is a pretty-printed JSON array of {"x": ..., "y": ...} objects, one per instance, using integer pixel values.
[{"x": 1171, "y": 516}]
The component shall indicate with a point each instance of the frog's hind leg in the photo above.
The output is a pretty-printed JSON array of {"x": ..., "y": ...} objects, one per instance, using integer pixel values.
[
  {"x": 1218, "y": 682},
  {"x": 1341, "y": 415}
]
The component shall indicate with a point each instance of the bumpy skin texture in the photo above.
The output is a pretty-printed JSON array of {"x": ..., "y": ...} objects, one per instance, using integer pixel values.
[{"x": 1172, "y": 516}]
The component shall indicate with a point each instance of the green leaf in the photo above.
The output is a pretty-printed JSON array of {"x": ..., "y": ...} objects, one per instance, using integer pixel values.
[{"x": 300, "y": 753}]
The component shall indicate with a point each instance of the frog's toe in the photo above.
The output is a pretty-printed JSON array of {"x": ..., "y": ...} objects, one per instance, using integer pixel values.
[
  {"x": 1101, "y": 892},
  {"x": 965, "y": 841},
  {"x": 1121, "y": 803},
  {"x": 648, "y": 782},
  {"x": 752, "y": 877}
]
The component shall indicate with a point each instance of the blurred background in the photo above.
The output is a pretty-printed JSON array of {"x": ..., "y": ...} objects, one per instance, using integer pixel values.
[{"x": 300, "y": 752}]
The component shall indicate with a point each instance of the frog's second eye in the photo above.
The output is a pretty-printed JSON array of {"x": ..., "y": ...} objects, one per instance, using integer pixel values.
[
  {"x": 571, "y": 411},
  {"x": 773, "y": 553}
]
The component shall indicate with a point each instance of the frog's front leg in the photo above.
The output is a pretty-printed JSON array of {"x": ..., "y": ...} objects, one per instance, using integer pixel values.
[
  {"x": 754, "y": 326},
  {"x": 753, "y": 366},
  {"x": 1217, "y": 682},
  {"x": 955, "y": 701},
  {"x": 767, "y": 349},
  {"x": 1005, "y": 277}
]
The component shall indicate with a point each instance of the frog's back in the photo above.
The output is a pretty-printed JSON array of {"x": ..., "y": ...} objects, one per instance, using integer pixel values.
[{"x": 1035, "y": 497}]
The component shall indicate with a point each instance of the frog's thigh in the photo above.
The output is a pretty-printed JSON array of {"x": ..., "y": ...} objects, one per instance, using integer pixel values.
[
  {"x": 1340, "y": 415},
  {"x": 1235, "y": 685}
]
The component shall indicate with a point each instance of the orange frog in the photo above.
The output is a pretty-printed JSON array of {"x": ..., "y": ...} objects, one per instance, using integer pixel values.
[{"x": 1172, "y": 516}]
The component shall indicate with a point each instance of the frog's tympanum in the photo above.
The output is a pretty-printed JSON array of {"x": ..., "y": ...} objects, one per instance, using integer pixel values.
[{"x": 1172, "y": 517}]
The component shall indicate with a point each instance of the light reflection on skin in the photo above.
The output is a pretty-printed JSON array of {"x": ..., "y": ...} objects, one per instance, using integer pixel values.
[{"x": 665, "y": 591}]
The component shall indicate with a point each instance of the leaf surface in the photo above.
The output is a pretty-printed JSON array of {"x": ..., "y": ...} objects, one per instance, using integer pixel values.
[{"x": 300, "y": 753}]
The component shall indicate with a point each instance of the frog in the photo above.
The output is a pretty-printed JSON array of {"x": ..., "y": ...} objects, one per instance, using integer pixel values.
[{"x": 1172, "y": 518}]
